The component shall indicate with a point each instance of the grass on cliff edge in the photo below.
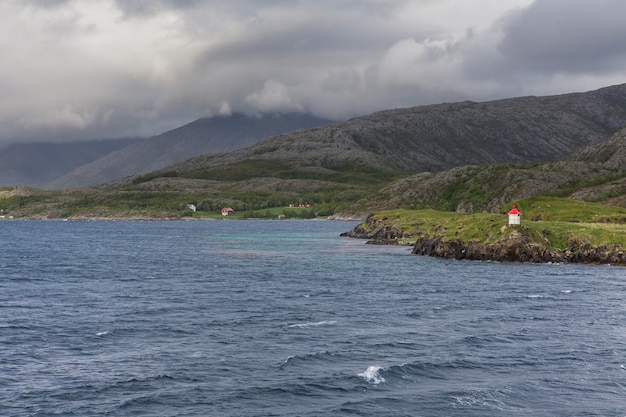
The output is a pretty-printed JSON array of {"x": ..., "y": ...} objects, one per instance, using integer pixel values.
[
  {"x": 593, "y": 223},
  {"x": 567, "y": 210}
]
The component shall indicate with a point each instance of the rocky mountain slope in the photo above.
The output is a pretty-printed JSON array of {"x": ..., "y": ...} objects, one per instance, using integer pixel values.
[
  {"x": 596, "y": 173},
  {"x": 216, "y": 134},
  {"x": 438, "y": 137}
]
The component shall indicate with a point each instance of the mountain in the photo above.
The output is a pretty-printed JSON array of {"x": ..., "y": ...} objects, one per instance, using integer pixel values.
[
  {"x": 438, "y": 137},
  {"x": 467, "y": 156},
  {"x": 457, "y": 157},
  {"x": 206, "y": 135},
  {"x": 611, "y": 153},
  {"x": 35, "y": 164},
  {"x": 594, "y": 174}
]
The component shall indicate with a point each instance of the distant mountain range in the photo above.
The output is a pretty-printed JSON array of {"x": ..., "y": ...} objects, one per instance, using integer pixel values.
[
  {"x": 36, "y": 164},
  {"x": 78, "y": 164},
  {"x": 207, "y": 135}
]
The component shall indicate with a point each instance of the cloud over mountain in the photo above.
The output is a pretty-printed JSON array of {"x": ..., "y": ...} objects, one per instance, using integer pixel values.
[{"x": 81, "y": 69}]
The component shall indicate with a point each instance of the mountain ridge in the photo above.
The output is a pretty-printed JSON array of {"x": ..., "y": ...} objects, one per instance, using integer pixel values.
[
  {"x": 441, "y": 136},
  {"x": 205, "y": 135},
  {"x": 36, "y": 163},
  {"x": 595, "y": 173}
]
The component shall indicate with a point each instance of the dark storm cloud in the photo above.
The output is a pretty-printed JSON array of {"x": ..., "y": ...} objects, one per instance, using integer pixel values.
[
  {"x": 78, "y": 69},
  {"x": 575, "y": 36}
]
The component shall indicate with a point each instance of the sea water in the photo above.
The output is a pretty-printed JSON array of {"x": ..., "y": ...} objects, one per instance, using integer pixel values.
[{"x": 285, "y": 318}]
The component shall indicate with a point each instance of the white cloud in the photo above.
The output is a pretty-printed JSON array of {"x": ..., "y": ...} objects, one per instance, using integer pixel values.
[
  {"x": 410, "y": 63},
  {"x": 274, "y": 97},
  {"x": 66, "y": 116},
  {"x": 76, "y": 69}
]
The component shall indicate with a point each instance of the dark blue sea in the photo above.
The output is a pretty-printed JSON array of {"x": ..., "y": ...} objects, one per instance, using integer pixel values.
[{"x": 285, "y": 318}]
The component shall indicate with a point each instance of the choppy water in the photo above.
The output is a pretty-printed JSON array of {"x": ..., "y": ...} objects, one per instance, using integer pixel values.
[{"x": 284, "y": 318}]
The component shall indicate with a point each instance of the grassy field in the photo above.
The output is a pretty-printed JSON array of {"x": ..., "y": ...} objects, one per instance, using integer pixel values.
[
  {"x": 566, "y": 210},
  {"x": 172, "y": 203},
  {"x": 547, "y": 221},
  {"x": 268, "y": 214}
]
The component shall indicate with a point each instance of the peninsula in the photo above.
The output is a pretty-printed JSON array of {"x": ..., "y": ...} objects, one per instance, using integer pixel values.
[{"x": 554, "y": 230}]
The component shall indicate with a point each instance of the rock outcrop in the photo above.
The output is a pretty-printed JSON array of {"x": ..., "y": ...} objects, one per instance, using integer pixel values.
[
  {"x": 378, "y": 232},
  {"x": 517, "y": 248}
]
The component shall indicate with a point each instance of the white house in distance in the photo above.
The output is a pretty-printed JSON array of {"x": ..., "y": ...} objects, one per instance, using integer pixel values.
[{"x": 514, "y": 216}]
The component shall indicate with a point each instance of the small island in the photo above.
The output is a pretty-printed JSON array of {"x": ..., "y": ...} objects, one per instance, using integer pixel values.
[{"x": 554, "y": 230}]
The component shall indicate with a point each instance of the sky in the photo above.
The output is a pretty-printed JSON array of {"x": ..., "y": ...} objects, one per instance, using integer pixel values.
[{"x": 90, "y": 69}]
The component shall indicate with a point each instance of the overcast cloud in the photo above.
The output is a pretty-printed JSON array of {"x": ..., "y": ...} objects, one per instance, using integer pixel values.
[{"x": 84, "y": 69}]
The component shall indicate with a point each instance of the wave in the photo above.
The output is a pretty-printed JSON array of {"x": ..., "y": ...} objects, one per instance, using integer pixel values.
[
  {"x": 486, "y": 340},
  {"x": 536, "y": 296},
  {"x": 313, "y": 324},
  {"x": 372, "y": 375},
  {"x": 375, "y": 374},
  {"x": 483, "y": 398},
  {"x": 323, "y": 356}
]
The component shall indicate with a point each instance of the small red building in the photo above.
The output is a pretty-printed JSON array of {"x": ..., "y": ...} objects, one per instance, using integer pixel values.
[{"x": 227, "y": 211}]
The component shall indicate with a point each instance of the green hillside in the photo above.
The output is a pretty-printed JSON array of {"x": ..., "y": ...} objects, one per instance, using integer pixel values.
[
  {"x": 595, "y": 174},
  {"x": 387, "y": 160},
  {"x": 597, "y": 223},
  {"x": 552, "y": 229}
]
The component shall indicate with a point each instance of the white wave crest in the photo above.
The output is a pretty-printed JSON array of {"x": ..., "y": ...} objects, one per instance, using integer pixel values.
[
  {"x": 319, "y": 323},
  {"x": 372, "y": 375},
  {"x": 535, "y": 296}
]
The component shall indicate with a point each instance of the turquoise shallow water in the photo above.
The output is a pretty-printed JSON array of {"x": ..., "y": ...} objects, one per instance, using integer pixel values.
[{"x": 284, "y": 318}]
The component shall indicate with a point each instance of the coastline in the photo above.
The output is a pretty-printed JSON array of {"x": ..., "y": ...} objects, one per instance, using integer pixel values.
[
  {"x": 172, "y": 218},
  {"x": 516, "y": 244}
]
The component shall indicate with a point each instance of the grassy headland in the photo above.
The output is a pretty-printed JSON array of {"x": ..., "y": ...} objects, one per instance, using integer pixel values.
[{"x": 552, "y": 229}]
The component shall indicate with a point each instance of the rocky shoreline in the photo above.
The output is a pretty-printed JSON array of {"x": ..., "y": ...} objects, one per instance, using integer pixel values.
[{"x": 515, "y": 247}]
